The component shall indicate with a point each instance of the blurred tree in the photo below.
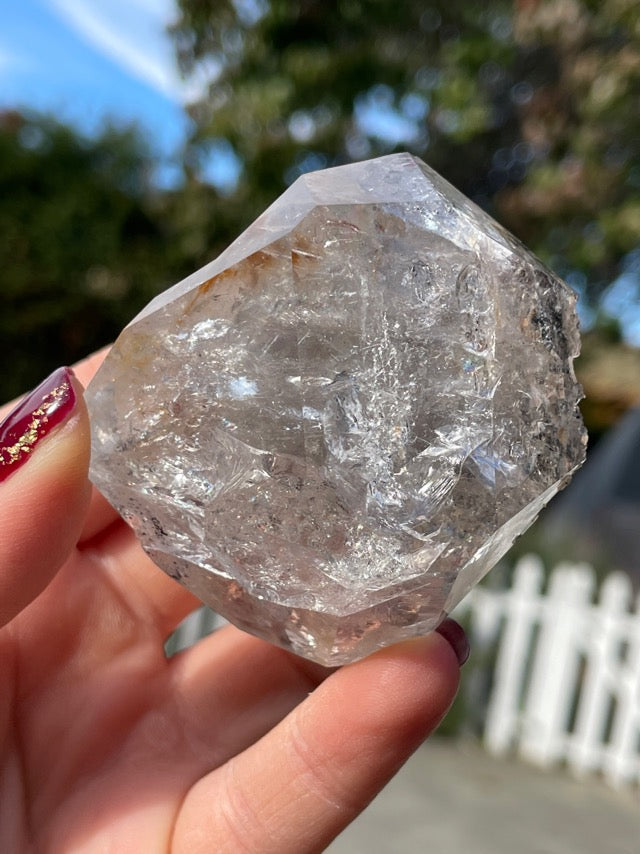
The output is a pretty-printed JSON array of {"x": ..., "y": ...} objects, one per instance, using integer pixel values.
[
  {"x": 84, "y": 243},
  {"x": 579, "y": 203},
  {"x": 609, "y": 371},
  {"x": 531, "y": 108},
  {"x": 311, "y": 83}
]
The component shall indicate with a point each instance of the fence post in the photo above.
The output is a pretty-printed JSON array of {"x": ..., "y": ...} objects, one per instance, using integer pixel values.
[
  {"x": 556, "y": 664},
  {"x": 586, "y": 748},
  {"x": 521, "y": 609},
  {"x": 623, "y": 759},
  {"x": 485, "y": 608}
]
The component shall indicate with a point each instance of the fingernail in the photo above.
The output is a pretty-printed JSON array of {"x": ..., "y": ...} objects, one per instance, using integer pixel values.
[
  {"x": 33, "y": 418},
  {"x": 456, "y": 637}
]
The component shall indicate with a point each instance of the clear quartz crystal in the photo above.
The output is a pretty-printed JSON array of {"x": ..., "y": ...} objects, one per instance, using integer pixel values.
[{"x": 333, "y": 431}]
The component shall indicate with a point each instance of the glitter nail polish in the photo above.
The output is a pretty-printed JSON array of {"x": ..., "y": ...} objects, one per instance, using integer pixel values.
[{"x": 34, "y": 418}]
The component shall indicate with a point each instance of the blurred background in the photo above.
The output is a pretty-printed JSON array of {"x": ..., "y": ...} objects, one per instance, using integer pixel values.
[{"x": 139, "y": 137}]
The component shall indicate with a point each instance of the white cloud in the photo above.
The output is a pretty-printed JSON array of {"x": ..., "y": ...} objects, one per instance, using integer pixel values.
[{"x": 132, "y": 34}]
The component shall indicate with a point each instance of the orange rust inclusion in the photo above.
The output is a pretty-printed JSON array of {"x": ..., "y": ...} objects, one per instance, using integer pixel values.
[
  {"x": 205, "y": 287},
  {"x": 257, "y": 261}
]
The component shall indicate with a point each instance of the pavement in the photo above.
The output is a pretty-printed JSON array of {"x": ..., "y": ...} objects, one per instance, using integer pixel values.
[{"x": 453, "y": 798}]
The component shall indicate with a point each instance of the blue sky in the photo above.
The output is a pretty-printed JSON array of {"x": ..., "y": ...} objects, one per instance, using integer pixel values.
[{"x": 86, "y": 60}]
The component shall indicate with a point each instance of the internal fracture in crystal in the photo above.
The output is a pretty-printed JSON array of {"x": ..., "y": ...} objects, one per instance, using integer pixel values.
[{"x": 334, "y": 430}]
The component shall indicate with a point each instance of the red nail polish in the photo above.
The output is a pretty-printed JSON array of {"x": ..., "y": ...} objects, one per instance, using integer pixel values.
[
  {"x": 456, "y": 637},
  {"x": 33, "y": 418}
]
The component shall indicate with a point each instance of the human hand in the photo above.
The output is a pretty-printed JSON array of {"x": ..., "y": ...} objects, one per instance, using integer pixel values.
[{"x": 233, "y": 745}]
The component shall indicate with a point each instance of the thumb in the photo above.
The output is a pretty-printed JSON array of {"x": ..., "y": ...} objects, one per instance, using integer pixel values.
[{"x": 44, "y": 487}]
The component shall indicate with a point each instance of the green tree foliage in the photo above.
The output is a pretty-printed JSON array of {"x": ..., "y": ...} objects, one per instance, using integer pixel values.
[
  {"x": 531, "y": 107},
  {"x": 84, "y": 243}
]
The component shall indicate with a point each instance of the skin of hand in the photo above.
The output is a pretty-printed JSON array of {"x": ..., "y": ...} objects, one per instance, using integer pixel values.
[{"x": 231, "y": 746}]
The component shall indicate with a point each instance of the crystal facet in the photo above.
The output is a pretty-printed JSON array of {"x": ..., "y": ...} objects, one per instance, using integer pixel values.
[{"x": 334, "y": 430}]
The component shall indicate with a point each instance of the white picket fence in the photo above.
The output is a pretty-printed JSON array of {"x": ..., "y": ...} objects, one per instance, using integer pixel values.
[
  {"x": 563, "y": 665},
  {"x": 566, "y": 679}
]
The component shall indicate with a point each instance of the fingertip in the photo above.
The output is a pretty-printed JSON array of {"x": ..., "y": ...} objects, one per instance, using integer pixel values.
[
  {"x": 45, "y": 491},
  {"x": 411, "y": 684}
]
